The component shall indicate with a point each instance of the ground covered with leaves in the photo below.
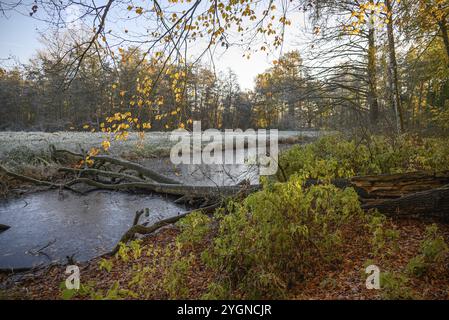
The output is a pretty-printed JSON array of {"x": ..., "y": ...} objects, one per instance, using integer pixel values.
[{"x": 343, "y": 281}]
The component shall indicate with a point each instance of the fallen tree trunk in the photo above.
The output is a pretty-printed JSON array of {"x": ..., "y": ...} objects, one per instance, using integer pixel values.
[
  {"x": 188, "y": 191},
  {"x": 111, "y": 174},
  {"x": 389, "y": 186},
  {"x": 398, "y": 185},
  {"x": 144, "y": 171},
  {"x": 429, "y": 203},
  {"x": 191, "y": 191}
]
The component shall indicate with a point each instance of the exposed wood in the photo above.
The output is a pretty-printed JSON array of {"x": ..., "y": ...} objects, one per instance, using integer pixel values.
[
  {"x": 389, "y": 186},
  {"x": 429, "y": 203},
  {"x": 178, "y": 189},
  {"x": 398, "y": 185}
]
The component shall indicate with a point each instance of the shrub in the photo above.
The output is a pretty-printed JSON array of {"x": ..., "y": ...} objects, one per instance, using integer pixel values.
[
  {"x": 433, "y": 251},
  {"x": 383, "y": 238},
  {"x": 194, "y": 227},
  {"x": 277, "y": 236},
  {"x": 165, "y": 274},
  {"x": 336, "y": 157},
  {"x": 394, "y": 286}
]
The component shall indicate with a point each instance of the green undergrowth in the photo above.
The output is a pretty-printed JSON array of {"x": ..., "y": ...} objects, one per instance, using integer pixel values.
[{"x": 338, "y": 157}]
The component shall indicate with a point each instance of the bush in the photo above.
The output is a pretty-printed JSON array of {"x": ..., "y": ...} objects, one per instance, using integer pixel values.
[
  {"x": 336, "y": 157},
  {"x": 433, "y": 251},
  {"x": 194, "y": 228},
  {"x": 277, "y": 236},
  {"x": 394, "y": 286},
  {"x": 384, "y": 239}
]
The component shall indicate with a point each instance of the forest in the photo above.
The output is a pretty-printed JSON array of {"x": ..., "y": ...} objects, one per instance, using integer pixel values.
[{"x": 353, "y": 96}]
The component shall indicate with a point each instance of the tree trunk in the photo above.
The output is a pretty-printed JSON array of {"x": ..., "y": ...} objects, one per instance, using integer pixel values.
[
  {"x": 429, "y": 203},
  {"x": 397, "y": 185},
  {"x": 445, "y": 35},
  {"x": 393, "y": 69},
  {"x": 372, "y": 80}
]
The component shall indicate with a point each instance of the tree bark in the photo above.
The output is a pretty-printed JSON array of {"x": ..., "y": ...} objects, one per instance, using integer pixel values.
[
  {"x": 445, "y": 35},
  {"x": 429, "y": 203},
  {"x": 173, "y": 189},
  {"x": 393, "y": 69},
  {"x": 397, "y": 185},
  {"x": 372, "y": 78}
]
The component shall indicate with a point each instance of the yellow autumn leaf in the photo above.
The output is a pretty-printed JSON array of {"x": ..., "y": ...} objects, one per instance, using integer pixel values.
[
  {"x": 106, "y": 145},
  {"x": 93, "y": 152}
]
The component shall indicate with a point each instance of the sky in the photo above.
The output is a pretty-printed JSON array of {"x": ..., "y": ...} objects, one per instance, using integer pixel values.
[
  {"x": 19, "y": 37},
  {"x": 19, "y": 40}
]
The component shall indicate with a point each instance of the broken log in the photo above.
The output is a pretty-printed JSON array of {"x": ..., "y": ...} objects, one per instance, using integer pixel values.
[
  {"x": 389, "y": 186},
  {"x": 191, "y": 191},
  {"x": 429, "y": 203},
  {"x": 398, "y": 185}
]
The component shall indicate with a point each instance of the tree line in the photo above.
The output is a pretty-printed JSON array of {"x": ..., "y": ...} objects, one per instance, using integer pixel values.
[{"x": 377, "y": 64}]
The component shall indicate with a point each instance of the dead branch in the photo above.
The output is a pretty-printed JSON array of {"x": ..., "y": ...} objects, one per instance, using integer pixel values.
[
  {"x": 110, "y": 174},
  {"x": 144, "y": 171},
  {"x": 146, "y": 230}
]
